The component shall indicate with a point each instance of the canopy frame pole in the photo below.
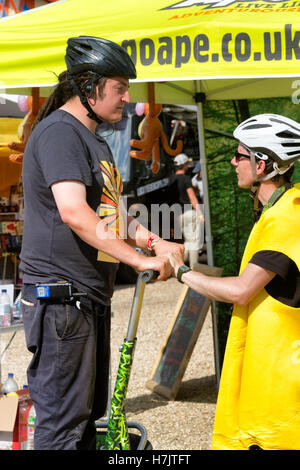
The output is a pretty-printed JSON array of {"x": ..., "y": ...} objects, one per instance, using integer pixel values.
[
  {"x": 208, "y": 234},
  {"x": 177, "y": 87}
]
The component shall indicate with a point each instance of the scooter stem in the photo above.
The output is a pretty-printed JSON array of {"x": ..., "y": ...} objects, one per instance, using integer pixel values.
[{"x": 142, "y": 280}]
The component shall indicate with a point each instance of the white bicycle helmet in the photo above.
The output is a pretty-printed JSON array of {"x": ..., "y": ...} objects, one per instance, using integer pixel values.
[{"x": 271, "y": 136}]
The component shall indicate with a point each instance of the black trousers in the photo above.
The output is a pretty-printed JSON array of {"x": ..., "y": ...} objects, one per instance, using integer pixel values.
[{"x": 69, "y": 371}]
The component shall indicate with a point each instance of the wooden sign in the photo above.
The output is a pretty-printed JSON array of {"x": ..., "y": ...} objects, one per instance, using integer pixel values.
[{"x": 180, "y": 339}]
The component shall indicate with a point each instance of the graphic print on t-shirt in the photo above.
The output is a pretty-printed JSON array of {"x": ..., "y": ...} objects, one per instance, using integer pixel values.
[{"x": 109, "y": 203}]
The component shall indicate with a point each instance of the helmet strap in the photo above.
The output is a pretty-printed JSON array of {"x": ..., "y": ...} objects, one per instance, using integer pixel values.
[
  {"x": 254, "y": 195},
  {"x": 255, "y": 185},
  {"x": 91, "y": 114},
  {"x": 276, "y": 169},
  {"x": 259, "y": 179},
  {"x": 253, "y": 165}
]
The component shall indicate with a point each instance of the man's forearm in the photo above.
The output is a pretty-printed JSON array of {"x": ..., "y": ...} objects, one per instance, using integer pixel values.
[
  {"x": 137, "y": 234},
  {"x": 96, "y": 232},
  {"x": 232, "y": 289},
  {"x": 221, "y": 289},
  {"x": 141, "y": 237}
]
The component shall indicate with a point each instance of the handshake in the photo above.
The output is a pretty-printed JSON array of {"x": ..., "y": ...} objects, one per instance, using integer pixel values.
[{"x": 168, "y": 258}]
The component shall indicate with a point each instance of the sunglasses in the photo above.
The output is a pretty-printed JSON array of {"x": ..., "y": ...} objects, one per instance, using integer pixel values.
[{"x": 238, "y": 156}]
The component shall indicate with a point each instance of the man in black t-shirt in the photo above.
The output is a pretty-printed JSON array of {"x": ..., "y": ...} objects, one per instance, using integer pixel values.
[
  {"x": 72, "y": 232},
  {"x": 191, "y": 218}
]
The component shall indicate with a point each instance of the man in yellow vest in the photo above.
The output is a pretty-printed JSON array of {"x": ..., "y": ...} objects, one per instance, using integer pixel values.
[{"x": 259, "y": 398}]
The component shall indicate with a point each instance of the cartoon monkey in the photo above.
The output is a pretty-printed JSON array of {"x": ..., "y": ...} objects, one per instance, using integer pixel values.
[{"x": 150, "y": 131}]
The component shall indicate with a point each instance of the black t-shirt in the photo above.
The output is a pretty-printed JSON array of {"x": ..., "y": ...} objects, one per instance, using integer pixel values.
[
  {"x": 62, "y": 148},
  {"x": 285, "y": 286},
  {"x": 179, "y": 184}
]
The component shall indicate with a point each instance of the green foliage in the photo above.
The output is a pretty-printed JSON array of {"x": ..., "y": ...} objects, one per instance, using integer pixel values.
[{"x": 231, "y": 208}]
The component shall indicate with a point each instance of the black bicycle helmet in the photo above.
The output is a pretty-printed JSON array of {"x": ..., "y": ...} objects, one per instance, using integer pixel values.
[
  {"x": 104, "y": 57},
  {"x": 100, "y": 57}
]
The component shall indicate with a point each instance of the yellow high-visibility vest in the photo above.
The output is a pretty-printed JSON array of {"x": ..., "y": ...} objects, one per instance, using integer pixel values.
[{"x": 259, "y": 396}]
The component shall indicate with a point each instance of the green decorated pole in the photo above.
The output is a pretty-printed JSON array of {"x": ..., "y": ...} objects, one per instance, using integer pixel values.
[
  {"x": 117, "y": 437},
  {"x": 117, "y": 432}
]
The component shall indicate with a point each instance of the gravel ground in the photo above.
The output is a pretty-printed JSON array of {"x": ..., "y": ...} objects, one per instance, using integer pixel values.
[{"x": 183, "y": 424}]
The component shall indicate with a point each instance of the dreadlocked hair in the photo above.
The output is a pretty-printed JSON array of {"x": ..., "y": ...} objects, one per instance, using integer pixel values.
[{"x": 64, "y": 91}]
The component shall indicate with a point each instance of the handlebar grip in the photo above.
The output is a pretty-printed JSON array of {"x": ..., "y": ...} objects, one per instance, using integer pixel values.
[{"x": 149, "y": 275}]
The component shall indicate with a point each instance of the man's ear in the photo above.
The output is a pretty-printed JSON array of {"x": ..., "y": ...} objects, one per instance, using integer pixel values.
[
  {"x": 260, "y": 167},
  {"x": 88, "y": 88}
]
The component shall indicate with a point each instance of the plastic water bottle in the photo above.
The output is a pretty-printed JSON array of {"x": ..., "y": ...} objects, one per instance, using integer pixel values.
[
  {"x": 5, "y": 310},
  {"x": 10, "y": 385},
  {"x": 16, "y": 315},
  {"x": 30, "y": 429}
]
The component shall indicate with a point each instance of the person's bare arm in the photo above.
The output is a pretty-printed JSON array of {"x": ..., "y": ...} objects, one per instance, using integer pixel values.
[
  {"x": 194, "y": 201},
  {"x": 70, "y": 198},
  {"x": 236, "y": 289},
  {"x": 138, "y": 236}
]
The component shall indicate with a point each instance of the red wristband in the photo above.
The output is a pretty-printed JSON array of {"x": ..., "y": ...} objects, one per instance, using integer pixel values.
[{"x": 152, "y": 242}]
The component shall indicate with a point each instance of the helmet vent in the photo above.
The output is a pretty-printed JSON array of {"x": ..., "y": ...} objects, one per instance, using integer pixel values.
[
  {"x": 287, "y": 135},
  {"x": 284, "y": 123},
  {"x": 257, "y": 126},
  {"x": 295, "y": 152},
  {"x": 87, "y": 47}
]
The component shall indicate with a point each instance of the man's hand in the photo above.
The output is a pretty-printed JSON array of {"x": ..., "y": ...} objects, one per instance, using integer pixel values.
[
  {"x": 176, "y": 260},
  {"x": 165, "y": 248},
  {"x": 160, "y": 264}
]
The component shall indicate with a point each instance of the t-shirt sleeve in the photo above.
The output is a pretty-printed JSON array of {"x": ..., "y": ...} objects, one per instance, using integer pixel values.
[
  {"x": 273, "y": 260},
  {"x": 63, "y": 155},
  {"x": 187, "y": 182}
]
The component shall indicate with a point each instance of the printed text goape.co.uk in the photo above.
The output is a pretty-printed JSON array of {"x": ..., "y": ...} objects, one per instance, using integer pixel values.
[{"x": 180, "y": 50}]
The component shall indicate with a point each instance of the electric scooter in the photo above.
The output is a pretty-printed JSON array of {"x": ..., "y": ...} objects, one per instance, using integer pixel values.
[{"x": 117, "y": 436}]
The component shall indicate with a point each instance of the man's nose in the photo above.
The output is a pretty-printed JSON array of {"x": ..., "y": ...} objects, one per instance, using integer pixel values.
[
  {"x": 233, "y": 162},
  {"x": 126, "y": 97}
]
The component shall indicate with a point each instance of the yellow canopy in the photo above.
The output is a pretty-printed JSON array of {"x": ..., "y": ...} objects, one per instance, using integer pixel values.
[{"x": 233, "y": 49}]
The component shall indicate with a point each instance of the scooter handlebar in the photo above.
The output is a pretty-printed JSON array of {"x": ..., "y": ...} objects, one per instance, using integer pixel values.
[{"x": 149, "y": 275}]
